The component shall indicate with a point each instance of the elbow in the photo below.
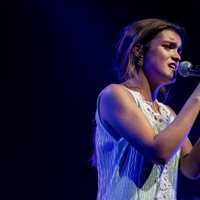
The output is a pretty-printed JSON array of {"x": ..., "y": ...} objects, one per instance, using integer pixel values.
[
  {"x": 162, "y": 155},
  {"x": 161, "y": 159},
  {"x": 192, "y": 176},
  {"x": 195, "y": 177},
  {"x": 192, "y": 172}
]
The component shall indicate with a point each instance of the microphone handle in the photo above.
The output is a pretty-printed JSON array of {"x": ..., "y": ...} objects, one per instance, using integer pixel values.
[{"x": 194, "y": 72}]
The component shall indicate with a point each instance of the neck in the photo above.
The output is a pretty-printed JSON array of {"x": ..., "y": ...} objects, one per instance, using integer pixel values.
[{"x": 140, "y": 83}]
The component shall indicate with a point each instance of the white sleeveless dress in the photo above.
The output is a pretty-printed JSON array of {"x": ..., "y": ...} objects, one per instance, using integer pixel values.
[{"x": 123, "y": 172}]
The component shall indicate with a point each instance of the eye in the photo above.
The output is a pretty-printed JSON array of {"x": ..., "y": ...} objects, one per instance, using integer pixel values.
[
  {"x": 168, "y": 46},
  {"x": 171, "y": 47}
]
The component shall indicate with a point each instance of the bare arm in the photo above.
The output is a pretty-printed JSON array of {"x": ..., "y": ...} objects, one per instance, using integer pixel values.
[
  {"x": 119, "y": 110},
  {"x": 190, "y": 160}
]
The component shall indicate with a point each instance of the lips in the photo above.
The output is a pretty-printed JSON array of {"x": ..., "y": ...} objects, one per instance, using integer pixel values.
[{"x": 173, "y": 66}]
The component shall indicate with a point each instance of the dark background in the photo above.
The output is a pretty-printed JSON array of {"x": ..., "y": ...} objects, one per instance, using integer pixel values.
[{"x": 56, "y": 57}]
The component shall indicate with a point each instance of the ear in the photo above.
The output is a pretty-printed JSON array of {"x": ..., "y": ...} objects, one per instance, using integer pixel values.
[{"x": 137, "y": 50}]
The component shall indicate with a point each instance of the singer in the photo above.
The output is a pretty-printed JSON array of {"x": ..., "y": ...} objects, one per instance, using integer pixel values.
[{"x": 139, "y": 140}]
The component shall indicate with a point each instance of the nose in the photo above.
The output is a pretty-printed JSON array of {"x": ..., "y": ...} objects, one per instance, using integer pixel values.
[{"x": 176, "y": 56}]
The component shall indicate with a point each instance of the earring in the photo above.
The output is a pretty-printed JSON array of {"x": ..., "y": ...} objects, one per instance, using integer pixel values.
[{"x": 141, "y": 61}]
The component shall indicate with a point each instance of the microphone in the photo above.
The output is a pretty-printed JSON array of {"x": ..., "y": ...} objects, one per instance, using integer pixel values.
[{"x": 186, "y": 69}]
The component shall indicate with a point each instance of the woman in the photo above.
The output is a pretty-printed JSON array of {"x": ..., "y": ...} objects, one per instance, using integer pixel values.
[{"x": 139, "y": 141}]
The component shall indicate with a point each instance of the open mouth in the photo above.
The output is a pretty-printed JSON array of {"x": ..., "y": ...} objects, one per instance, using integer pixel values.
[{"x": 172, "y": 66}]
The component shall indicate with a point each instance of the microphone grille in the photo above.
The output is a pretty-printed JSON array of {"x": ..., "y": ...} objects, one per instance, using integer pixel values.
[{"x": 183, "y": 68}]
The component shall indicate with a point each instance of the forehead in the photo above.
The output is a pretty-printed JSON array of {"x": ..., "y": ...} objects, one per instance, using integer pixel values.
[{"x": 168, "y": 36}]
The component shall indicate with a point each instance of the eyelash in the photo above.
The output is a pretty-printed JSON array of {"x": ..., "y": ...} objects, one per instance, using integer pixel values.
[
  {"x": 171, "y": 47},
  {"x": 167, "y": 46}
]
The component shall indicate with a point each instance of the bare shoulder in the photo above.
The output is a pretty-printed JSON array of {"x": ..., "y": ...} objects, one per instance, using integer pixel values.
[
  {"x": 116, "y": 106},
  {"x": 112, "y": 89},
  {"x": 115, "y": 92}
]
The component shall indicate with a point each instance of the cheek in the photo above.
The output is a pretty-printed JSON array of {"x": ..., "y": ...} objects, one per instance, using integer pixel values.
[
  {"x": 151, "y": 59},
  {"x": 153, "y": 63},
  {"x": 154, "y": 57},
  {"x": 157, "y": 58},
  {"x": 162, "y": 54}
]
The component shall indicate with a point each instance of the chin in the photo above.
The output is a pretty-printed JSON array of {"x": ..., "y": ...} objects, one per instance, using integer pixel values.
[
  {"x": 173, "y": 77},
  {"x": 170, "y": 80}
]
